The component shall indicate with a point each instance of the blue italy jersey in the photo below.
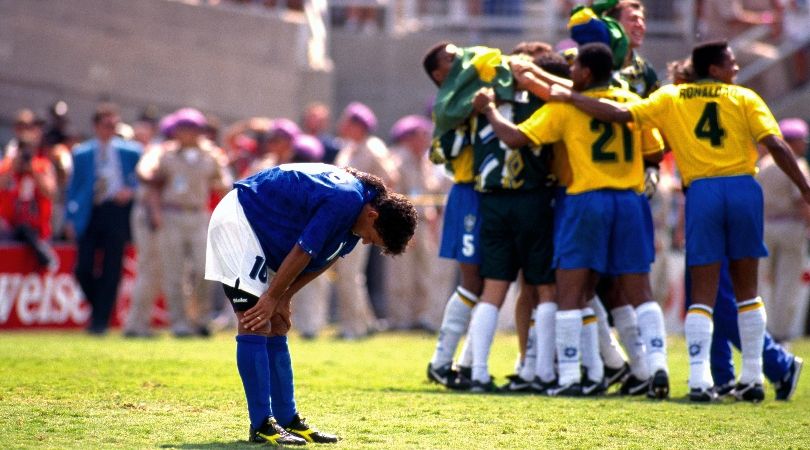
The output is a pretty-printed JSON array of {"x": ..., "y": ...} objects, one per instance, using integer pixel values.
[{"x": 312, "y": 205}]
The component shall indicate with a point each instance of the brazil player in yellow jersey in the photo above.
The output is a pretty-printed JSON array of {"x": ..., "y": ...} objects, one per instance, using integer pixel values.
[
  {"x": 603, "y": 216},
  {"x": 716, "y": 126}
]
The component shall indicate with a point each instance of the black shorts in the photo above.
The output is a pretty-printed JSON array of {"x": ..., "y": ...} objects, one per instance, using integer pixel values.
[
  {"x": 517, "y": 233},
  {"x": 240, "y": 300}
]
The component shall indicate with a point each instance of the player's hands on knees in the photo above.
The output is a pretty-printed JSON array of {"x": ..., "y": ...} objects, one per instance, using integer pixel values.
[
  {"x": 257, "y": 317},
  {"x": 284, "y": 311},
  {"x": 279, "y": 325}
]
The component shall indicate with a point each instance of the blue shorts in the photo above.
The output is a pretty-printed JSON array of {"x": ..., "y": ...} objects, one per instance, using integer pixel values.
[
  {"x": 559, "y": 209},
  {"x": 649, "y": 228},
  {"x": 724, "y": 219},
  {"x": 462, "y": 225},
  {"x": 604, "y": 230}
]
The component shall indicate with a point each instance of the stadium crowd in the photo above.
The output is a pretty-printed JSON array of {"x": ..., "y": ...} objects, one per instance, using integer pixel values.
[{"x": 498, "y": 130}]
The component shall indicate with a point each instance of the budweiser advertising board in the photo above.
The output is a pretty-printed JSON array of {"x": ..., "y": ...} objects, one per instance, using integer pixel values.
[{"x": 31, "y": 297}]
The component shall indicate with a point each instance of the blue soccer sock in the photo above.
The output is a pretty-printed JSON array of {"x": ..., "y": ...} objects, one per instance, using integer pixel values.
[
  {"x": 254, "y": 369},
  {"x": 282, "y": 394}
]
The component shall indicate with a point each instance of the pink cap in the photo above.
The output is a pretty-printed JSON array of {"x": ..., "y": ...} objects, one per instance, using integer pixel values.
[
  {"x": 361, "y": 113},
  {"x": 189, "y": 117},
  {"x": 410, "y": 124},
  {"x": 308, "y": 148},
  {"x": 794, "y": 128},
  {"x": 283, "y": 128}
]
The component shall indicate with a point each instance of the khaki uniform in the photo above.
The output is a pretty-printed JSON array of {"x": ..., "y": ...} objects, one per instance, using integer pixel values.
[
  {"x": 310, "y": 306},
  {"x": 786, "y": 237},
  {"x": 147, "y": 276},
  {"x": 186, "y": 178},
  {"x": 418, "y": 281},
  {"x": 354, "y": 305}
]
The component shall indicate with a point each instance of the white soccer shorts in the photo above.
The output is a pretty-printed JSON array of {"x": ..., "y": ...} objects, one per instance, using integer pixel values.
[{"x": 233, "y": 251}]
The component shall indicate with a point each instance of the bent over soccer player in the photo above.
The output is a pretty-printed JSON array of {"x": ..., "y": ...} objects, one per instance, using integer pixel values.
[{"x": 270, "y": 236}]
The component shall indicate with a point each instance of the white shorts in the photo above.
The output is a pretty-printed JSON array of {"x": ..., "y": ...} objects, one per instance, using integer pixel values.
[{"x": 233, "y": 252}]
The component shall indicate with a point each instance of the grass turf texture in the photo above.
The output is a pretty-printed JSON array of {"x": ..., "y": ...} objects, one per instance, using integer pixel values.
[{"x": 69, "y": 390}]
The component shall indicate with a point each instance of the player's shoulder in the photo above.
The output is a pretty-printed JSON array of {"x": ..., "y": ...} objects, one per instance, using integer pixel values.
[
  {"x": 624, "y": 95},
  {"x": 613, "y": 93}
]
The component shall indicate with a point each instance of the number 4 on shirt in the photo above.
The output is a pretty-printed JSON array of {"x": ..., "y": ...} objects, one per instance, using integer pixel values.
[{"x": 708, "y": 126}]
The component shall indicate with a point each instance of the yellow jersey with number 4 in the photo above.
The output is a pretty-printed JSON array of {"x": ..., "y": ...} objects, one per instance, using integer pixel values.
[
  {"x": 712, "y": 127},
  {"x": 601, "y": 155}
]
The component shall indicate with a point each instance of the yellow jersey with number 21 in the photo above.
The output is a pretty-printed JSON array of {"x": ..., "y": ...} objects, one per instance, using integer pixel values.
[
  {"x": 712, "y": 127},
  {"x": 601, "y": 155}
]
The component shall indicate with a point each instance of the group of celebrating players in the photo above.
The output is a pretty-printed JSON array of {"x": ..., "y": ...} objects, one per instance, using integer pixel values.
[{"x": 548, "y": 157}]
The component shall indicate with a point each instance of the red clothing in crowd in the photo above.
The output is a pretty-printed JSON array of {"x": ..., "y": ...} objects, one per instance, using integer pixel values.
[{"x": 21, "y": 201}]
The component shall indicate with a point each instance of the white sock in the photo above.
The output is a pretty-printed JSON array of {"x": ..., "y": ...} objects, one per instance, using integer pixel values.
[
  {"x": 544, "y": 324},
  {"x": 465, "y": 359},
  {"x": 482, "y": 332},
  {"x": 751, "y": 321},
  {"x": 568, "y": 332},
  {"x": 526, "y": 370},
  {"x": 589, "y": 344},
  {"x": 653, "y": 334},
  {"x": 624, "y": 318},
  {"x": 454, "y": 323},
  {"x": 609, "y": 347},
  {"x": 698, "y": 328}
]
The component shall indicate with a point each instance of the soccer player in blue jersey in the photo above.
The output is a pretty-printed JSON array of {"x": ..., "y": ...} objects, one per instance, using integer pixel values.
[{"x": 270, "y": 236}]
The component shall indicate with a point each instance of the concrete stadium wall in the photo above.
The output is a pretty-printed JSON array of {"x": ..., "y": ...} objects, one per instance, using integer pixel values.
[{"x": 226, "y": 61}]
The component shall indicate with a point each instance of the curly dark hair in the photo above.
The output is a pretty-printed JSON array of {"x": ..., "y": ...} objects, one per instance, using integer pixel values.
[{"x": 396, "y": 222}]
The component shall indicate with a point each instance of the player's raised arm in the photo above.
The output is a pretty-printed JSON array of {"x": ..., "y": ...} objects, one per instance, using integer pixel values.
[
  {"x": 783, "y": 157},
  {"x": 507, "y": 132}
]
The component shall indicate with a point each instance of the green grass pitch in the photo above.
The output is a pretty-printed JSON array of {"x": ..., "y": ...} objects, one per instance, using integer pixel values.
[{"x": 69, "y": 390}]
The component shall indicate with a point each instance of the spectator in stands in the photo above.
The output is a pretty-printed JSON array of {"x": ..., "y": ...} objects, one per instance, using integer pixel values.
[
  {"x": 307, "y": 148},
  {"x": 148, "y": 279},
  {"x": 786, "y": 222},
  {"x": 315, "y": 121},
  {"x": 58, "y": 129},
  {"x": 275, "y": 145},
  {"x": 247, "y": 143},
  {"x": 418, "y": 281},
  {"x": 99, "y": 201},
  {"x": 145, "y": 128},
  {"x": 366, "y": 153},
  {"x": 27, "y": 186},
  {"x": 29, "y": 128},
  {"x": 184, "y": 174}
]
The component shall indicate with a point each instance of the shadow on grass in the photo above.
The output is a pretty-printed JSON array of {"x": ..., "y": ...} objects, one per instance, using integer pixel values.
[
  {"x": 432, "y": 389},
  {"x": 212, "y": 445}
]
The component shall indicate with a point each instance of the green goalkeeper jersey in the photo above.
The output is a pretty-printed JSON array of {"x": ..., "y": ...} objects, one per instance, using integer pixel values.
[{"x": 500, "y": 168}]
